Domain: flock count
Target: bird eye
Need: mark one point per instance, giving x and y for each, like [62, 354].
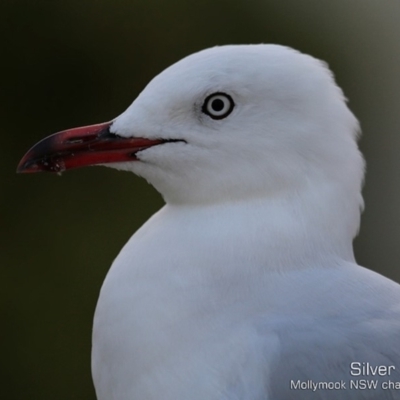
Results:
[218, 105]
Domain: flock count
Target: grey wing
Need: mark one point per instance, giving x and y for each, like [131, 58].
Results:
[316, 355]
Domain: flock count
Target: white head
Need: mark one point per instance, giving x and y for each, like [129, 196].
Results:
[289, 127]
[288, 133]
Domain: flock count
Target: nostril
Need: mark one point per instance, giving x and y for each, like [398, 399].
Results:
[74, 141]
[80, 139]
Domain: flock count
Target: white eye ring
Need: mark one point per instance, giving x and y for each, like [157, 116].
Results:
[218, 105]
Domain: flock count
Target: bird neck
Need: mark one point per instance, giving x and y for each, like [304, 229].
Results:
[289, 230]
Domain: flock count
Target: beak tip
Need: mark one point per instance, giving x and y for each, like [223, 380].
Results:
[25, 166]
[21, 168]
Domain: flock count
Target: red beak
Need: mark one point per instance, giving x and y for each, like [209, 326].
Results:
[88, 145]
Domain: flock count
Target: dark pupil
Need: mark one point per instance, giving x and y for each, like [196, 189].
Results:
[217, 105]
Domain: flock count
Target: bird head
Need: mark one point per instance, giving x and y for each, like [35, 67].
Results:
[225, 124]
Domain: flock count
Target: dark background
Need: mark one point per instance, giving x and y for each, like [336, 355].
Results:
[77, 62]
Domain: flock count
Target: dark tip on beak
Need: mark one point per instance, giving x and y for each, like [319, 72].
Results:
[58, 151]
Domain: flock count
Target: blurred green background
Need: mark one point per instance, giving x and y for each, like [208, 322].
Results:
[77, 62]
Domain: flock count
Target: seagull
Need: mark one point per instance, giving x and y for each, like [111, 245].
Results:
[244, 286]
